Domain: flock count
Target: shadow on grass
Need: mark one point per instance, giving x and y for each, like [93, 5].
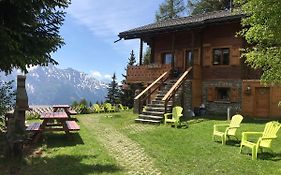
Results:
[62, 140]
[66, 164]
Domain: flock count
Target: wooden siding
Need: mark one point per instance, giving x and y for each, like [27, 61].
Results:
[146, 73]
[260, 101]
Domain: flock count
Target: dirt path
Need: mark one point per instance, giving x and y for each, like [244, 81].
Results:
[128, 153]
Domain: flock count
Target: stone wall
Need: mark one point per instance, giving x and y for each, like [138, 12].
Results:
[187, 97]
[221, 106]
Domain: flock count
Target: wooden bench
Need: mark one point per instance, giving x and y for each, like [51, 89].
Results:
[72, 112]
[72, 126]
[34, 127]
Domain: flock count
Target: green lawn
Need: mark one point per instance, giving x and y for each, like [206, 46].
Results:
[175, 151]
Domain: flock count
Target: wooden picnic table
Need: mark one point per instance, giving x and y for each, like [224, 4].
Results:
[53, 121]
[65, 108]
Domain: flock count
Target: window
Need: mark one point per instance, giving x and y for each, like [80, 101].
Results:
[167, 58]
[221, 56]
[189, 58]
[223, 94]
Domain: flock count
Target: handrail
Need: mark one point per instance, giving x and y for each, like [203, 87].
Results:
[148, 91]
[151, 85]
[175, 87]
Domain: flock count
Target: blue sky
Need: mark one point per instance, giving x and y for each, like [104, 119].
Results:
[90, 29]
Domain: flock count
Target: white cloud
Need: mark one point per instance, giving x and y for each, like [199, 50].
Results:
[106, 18]
[107, 77]
[100, 76]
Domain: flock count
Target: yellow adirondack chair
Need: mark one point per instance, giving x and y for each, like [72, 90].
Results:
[109, 107]
[97, 108]
[229, 128]
[122, 108]
[174, 117]
[264, 141]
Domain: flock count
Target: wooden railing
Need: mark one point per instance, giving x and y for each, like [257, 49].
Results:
[175, 87]
[140, 98]
[146, 73]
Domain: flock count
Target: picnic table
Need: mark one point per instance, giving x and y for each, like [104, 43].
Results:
[53, 121]
[65, 108]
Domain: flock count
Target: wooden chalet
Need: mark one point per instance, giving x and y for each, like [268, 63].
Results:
[196, 60]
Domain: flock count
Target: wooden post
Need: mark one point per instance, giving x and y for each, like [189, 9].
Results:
[173, 50]
[141, 51]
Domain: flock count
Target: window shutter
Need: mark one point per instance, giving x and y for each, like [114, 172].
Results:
[211, 94]
[234, 95]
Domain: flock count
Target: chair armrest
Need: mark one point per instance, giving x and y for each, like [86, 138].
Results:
[216, 126]
[246, 134]
[265, 138]
[167, 114]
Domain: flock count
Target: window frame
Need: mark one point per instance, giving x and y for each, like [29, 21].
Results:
[163, 58]
[221, 59]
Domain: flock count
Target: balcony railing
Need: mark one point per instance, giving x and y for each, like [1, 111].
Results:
[146, 73]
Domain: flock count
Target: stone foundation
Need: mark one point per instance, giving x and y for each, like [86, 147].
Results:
[221, 106]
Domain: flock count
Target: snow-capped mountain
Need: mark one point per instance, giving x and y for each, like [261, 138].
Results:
[51, 85]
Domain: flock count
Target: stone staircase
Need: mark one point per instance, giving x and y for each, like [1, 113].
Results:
[154, 112]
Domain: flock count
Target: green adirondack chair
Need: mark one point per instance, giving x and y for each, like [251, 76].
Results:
[173, 117]
[224, 131]
[109, 107]
[264, 141]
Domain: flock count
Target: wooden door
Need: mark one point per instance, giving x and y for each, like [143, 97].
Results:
[262, 105]
[191, 58]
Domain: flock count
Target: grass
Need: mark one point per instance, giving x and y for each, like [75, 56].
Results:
[192, 151]
[175, 151]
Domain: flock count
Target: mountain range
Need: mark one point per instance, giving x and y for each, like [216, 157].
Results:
[51, 85]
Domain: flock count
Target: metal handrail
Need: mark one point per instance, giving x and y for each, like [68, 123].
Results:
[175, 87]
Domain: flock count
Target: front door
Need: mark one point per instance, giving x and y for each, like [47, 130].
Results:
[191, 58]
[262, 102]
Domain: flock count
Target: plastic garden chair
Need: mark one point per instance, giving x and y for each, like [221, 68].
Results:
[122, 108]
[174, 117]
[97, 108]
[264, 141]
[109, 107]
[224, 131]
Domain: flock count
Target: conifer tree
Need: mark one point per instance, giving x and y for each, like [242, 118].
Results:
[113, 92]
[127, 94]
[29, 32]
[170, 9]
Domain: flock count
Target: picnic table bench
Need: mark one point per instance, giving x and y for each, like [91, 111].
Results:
[65, 108]
[53, 121]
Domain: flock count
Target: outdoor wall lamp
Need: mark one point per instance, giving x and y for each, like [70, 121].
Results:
[248, 90]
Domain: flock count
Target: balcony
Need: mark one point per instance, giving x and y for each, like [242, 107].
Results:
[146, 73]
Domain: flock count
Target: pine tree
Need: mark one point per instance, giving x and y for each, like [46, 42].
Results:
[195, 7]
[131, 62]
[170, 9]
[113, 92]
[127, 94]
[29, 32]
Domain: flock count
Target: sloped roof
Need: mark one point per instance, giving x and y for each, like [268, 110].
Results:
[182, 23]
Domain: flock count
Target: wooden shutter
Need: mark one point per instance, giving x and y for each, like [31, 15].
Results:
[235, 56]
[211, 94]
[234, 95]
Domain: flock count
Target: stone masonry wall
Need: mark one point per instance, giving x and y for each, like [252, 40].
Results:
[221, 106]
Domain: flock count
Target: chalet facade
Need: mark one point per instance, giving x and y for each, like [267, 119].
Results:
[201, 58]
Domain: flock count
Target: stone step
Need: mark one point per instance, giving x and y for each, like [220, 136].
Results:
[154, 113]
[158, 109]
[158, 105]
[152, 117]
[147, 121]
